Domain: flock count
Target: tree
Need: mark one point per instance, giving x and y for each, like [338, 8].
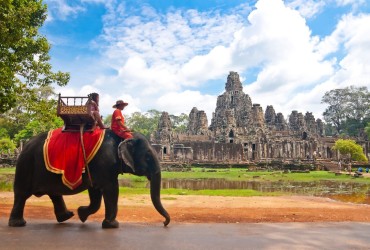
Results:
[348, 110]
[335, 114]
[27, 119]
[359, 103]
[145, 123]
[6, 145]
[35, 127]
[350, 149]
[354, 127]
[179, 123]
[367, 130]
[107, 120]
[3, 133]
[24, 58]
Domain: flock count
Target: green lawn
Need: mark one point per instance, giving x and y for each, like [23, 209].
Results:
[139, 184]
[7, 171]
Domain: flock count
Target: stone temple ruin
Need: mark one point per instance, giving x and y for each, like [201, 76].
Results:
[241, 132]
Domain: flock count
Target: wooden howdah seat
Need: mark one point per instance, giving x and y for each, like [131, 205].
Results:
[75, 111]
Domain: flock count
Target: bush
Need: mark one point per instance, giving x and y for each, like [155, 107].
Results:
[6, 145]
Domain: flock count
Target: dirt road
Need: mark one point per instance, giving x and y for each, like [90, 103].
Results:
[206, 209]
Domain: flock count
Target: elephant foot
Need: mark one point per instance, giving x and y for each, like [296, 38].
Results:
[83, 213]
[16, 222]
[110, 224]
[65, 216]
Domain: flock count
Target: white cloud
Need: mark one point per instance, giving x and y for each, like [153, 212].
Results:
[351, 39]
[307, 8]
[173, 38]
[62, 10]
[177, 103]
[161, 60]
[279, 41]
[350, 2]
[155, 54]
[354, 4]
[352, 36]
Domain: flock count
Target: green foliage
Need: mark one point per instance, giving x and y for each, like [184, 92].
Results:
[4, 133]
[107, 120]
[35, 127]
[351, 149]
[6, 145]
[335, 113]
[367, 130]
[348, 110]
[27, 119]
[179, 123]
[147, 123]
[6, 186]
[13, 121]
[23, 51]
[144, 123]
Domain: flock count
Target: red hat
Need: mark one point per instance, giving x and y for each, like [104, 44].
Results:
[120, 102]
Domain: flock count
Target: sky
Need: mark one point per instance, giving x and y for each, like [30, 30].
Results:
[175, 55]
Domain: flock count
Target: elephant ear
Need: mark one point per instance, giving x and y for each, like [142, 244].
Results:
[126, 151]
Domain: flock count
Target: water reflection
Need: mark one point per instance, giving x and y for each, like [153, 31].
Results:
[344, 191]
[316, 188]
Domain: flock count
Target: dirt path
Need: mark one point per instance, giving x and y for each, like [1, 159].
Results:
[206, 209]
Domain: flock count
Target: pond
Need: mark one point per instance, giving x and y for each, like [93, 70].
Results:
[343, 191]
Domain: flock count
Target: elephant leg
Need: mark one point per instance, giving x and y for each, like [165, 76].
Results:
[95, 202]
[16, 216]
[60, 209]
[110, 195]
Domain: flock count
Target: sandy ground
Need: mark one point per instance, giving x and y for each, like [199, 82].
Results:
[206, 209]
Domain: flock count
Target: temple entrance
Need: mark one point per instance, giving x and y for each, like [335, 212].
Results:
[328, 153]
[231, 136]
[304, 136]
[254, 153]
[245, 150]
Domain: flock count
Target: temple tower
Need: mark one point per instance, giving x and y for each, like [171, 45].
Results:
[233, 110]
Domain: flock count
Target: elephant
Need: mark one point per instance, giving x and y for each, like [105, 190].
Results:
[32, 178]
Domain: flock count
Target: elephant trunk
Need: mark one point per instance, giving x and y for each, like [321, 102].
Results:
[155, 194]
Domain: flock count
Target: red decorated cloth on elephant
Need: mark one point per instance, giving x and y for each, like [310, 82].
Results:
[63, 153]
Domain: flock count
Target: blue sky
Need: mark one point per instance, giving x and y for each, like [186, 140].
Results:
[176, 55]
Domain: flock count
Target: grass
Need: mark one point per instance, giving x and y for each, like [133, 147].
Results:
[7, 171]
[219, 192]
[139, 184]
[6, 186]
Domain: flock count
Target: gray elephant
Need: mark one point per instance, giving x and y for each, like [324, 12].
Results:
[32, 178]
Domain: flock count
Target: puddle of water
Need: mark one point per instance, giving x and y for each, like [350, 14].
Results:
[353, 198]
[348, 192]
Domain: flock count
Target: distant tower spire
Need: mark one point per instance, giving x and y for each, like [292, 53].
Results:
[233, 82]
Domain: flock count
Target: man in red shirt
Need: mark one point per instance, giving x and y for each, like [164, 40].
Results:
[118, 121]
